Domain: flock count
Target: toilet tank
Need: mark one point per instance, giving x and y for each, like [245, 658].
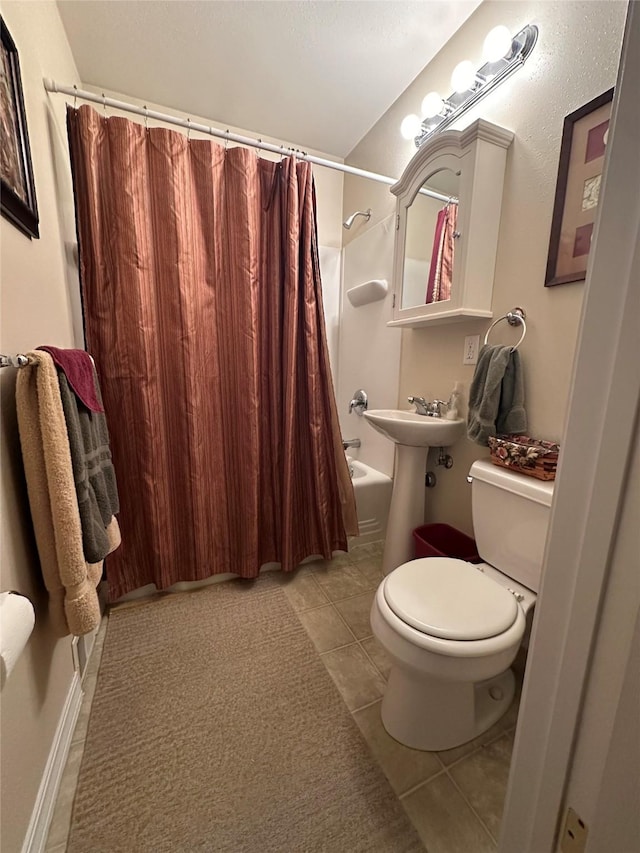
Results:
[510, 520]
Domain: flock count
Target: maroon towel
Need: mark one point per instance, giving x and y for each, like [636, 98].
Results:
[78, 368]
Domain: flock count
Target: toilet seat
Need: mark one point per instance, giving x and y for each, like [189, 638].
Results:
[449, 599]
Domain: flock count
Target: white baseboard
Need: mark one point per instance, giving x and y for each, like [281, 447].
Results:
[36, 837]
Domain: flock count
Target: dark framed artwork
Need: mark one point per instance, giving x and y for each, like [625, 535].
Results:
[584, 140]
[18, 194]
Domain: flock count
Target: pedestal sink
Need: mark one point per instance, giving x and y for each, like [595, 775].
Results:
[413, 435]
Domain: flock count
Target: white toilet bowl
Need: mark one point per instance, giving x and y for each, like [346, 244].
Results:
[451, 629]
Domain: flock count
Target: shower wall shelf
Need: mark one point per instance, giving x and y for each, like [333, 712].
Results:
[368, 291]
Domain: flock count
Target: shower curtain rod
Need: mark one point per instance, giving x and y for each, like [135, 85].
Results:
[74, 92]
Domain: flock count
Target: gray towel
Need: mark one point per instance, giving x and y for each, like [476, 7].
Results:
[93, 471]
[496, 396]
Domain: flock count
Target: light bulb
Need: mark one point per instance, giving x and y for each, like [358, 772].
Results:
[432, 105]
[497, 44]
[463, 77]
[411, 126]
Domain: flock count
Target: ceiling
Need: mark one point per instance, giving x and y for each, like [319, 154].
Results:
[316, 73]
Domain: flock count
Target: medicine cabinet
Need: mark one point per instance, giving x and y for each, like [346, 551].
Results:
[456, 169]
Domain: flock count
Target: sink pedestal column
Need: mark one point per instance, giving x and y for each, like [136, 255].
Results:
[407, 505]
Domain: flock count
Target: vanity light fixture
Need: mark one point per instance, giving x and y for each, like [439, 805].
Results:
[464, 77]
[503, 54]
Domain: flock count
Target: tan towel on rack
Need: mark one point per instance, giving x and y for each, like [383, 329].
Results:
[71, 583]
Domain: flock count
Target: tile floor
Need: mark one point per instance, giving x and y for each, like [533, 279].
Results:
[453, 798]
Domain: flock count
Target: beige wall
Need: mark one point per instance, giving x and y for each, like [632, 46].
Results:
[39, 304]
[575, 59]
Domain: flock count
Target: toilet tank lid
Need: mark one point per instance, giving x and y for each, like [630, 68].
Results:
[539, 491]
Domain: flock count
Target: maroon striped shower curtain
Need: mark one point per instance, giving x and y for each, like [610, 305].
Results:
[441, 267]
[203, 311]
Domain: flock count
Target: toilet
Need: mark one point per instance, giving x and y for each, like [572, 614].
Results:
[452, 629]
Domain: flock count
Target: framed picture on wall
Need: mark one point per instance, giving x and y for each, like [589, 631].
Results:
[584, 143]
[18, 194]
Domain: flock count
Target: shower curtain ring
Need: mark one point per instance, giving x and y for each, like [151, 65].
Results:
[75, 97]
[226, 139]
[146, 117]
[188, 129]
[104, 103]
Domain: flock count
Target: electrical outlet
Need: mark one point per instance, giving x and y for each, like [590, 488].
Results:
[471, 347]
[574, 835]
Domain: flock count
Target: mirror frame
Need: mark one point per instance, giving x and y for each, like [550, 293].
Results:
[479, 154]
[407, 207]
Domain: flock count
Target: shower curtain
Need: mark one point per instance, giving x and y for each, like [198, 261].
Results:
[203, 310]
[441, 267]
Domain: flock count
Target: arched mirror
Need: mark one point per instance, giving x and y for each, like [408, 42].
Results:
[448, 215]
[431, 233]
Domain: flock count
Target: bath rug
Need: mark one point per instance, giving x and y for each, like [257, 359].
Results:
[216, 727]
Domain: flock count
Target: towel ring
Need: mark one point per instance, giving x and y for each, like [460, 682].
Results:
[513, 318]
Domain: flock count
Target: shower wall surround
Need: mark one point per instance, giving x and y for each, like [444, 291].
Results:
[330, 272]
[369, 351]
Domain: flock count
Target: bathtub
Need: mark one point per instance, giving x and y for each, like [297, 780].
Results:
[372, 491]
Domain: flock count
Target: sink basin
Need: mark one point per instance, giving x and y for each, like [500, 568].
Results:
[415, 430]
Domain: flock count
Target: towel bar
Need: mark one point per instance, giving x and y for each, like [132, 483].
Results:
[14, 360]
[514, 318]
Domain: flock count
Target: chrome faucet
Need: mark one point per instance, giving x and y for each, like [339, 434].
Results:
[421, 405]
[434, 409]
[431, 410]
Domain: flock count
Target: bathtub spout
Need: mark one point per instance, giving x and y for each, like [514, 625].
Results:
[351, 442]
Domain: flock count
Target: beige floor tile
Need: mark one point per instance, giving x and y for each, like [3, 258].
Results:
[355, 612]
[378, 655]
[358, 681]
[340, 558]
[89, 687]
[371, 568]
[301, 590]
[510, 719]
[405, 768]
[363, 552]
[93, 664]
[482, 778]
[326, 628]
[342, 581]
[444, 821]
[59, 829]
[505, 723]
[319, 564]
[82, 723]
